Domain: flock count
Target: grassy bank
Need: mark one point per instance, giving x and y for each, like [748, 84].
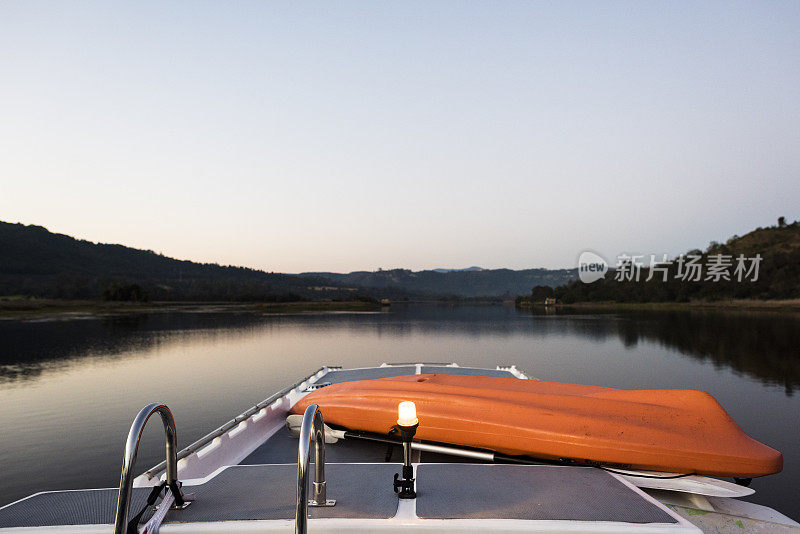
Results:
[791, 305]
[11, 307]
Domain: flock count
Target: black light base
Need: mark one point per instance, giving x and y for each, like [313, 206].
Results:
[404, 487]
[406, 432]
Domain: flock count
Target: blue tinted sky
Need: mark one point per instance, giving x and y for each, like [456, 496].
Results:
[343, 136]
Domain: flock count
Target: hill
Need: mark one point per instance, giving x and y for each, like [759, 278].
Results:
[472, 282]
[36, 262]
[778, 274]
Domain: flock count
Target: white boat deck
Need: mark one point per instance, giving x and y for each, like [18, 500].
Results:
[451, 497]
[244, 475]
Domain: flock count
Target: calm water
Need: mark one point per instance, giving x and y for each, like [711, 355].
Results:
[70, 388]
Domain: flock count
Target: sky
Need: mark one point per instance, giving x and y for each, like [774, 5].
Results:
[340, 136]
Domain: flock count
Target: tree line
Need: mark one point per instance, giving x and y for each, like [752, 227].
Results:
[778, 274]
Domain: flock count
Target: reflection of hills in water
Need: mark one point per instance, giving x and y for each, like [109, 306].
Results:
[31, 347]
[761, 345]
[764, 346]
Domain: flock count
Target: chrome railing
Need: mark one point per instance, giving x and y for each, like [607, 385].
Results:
[128, 461]
[208, 438]
[311, 428]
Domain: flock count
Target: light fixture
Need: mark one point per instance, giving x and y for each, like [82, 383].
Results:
[407, 414]
[407, 424]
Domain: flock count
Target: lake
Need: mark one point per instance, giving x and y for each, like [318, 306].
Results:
[70, 387]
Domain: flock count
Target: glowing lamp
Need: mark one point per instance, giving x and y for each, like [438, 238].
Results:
[407, 424]
[407, 414]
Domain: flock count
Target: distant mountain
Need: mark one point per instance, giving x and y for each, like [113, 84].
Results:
[472, 282]
[39, 263]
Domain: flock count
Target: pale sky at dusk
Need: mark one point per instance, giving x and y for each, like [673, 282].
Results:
[356, 135]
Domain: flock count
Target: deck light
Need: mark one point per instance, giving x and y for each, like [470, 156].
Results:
[407, 414]
[407, 424]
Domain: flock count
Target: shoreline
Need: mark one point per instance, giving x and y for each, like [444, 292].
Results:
[17, 308]
[783, 305]
[24, 308]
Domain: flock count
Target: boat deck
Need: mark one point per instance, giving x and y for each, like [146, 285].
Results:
[364, 491]
[244, 476]
[335, 376]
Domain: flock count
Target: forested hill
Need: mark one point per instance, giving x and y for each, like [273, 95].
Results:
[778, 273]
[36, 262]
[471, 282]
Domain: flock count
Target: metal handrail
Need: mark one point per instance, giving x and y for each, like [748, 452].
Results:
[311, 428]
[208, 438]
[129, 459]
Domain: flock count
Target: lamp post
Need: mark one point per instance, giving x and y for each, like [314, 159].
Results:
[407, 424]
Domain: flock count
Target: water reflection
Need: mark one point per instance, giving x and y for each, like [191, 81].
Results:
[764, 346]
[32, 347]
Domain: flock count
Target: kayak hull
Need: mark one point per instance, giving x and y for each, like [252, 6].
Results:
[684, 431]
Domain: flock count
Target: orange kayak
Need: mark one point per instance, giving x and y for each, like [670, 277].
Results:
[683, 431]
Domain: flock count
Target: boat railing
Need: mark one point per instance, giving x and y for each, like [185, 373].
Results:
[208, 438]
[312, 428]
[129, 460]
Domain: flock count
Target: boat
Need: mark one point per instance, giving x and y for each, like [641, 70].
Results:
[295, 462]
[659, 430]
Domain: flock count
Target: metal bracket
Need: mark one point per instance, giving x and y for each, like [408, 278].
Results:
[320, 492]
[187, 500]
[404, 487]
[328, 502]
